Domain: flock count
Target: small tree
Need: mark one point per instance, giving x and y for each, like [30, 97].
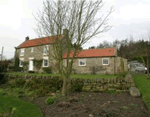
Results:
[37, 64]
[82, 21]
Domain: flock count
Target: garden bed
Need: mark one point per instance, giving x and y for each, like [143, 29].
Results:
[97, 104]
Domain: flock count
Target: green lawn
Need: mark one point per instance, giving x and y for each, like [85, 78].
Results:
[143, 85]
[21, 108]
[72, 75]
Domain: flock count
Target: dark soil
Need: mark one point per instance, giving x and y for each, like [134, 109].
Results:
[96, 104]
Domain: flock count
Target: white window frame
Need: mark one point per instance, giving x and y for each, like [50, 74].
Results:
[45, 58]
[46, 48]
[21, 59]
[103, 59]
[82, 60]
[22, 51]
[32, 49]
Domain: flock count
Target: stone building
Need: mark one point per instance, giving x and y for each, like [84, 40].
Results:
[99, 61]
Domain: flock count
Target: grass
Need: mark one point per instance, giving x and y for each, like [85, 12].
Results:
[72, 75]
[21, 108]
[143, 84]
[17, 92]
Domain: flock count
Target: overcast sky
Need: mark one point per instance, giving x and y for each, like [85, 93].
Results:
[17, 22]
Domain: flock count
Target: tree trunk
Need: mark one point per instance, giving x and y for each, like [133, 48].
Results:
[64, 87]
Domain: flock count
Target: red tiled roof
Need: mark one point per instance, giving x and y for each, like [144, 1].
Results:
[93, 53]
[36, 42]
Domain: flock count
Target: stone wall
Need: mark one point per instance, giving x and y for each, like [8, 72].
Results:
[118, 84]
[111, 84]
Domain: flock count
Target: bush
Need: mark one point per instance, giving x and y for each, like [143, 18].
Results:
[20, 82]
[3, 78]
[15, 68]
[76, 85]
[50, 100]
[12, 83]
[3, 66]
[122, 74]
[47, 70]
[37, 64]
[41, 92]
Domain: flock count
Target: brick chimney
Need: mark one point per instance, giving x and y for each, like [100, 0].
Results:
[26, 38]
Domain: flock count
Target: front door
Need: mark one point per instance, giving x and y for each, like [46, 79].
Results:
[31, 65]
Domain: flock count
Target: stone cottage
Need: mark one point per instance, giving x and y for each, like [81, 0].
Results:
[100, 61]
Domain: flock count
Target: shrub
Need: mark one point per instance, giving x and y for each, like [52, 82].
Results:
[50, 100]
[12, 83]
[76, 85]
[4, 66]
[37, 64]
[15, 68]
[47, 70]
[41, 92]
[3, 78]
[122, 74]
[25, 65]
[20, 82]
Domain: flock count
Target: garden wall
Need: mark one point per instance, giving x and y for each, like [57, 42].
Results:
[54, 83]
[111, 84]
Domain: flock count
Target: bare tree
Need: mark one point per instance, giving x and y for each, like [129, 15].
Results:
[82, 22]
[105, 44]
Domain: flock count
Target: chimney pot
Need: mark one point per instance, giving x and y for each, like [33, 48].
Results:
[27, 38]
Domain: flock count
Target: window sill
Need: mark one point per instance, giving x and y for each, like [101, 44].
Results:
[105, 64]
[45, 66]
[21, 55]
[82, 65]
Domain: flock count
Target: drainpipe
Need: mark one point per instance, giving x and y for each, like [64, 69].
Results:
[114, 65]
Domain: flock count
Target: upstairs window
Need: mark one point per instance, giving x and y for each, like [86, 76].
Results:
[105, 61]
[21, 52]
[46, 49]
[82, 62]
[32, 49]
